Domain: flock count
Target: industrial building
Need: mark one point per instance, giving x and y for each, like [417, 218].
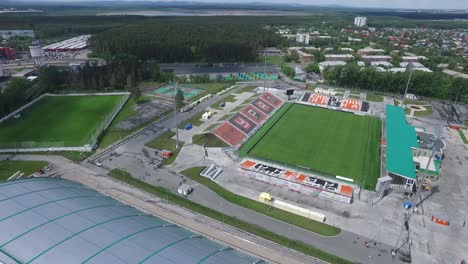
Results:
[360, 21]
[73, 44]
[51, 220]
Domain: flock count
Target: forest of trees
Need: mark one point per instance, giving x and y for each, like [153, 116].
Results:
[185, 42]
[435, 84]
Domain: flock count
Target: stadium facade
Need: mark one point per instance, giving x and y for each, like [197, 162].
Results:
[48, 220]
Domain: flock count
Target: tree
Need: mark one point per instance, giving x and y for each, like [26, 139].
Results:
[179, 98]
[288, 71]
[313, 67]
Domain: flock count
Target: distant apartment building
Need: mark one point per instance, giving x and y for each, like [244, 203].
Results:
[412, 58]
[329, 64]
[369, 50]
[376, 58]
[270, 51]
[303, 38]
[304, 57]
[360, 21]
[338, 57]
[6, 34]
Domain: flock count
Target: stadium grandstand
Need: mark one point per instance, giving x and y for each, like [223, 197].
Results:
[52, 220]
[73, 44]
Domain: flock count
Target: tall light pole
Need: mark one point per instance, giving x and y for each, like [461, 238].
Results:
[175, 115]
[264, 69]
[410, 67]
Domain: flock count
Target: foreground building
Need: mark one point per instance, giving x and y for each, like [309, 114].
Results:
[49, 220]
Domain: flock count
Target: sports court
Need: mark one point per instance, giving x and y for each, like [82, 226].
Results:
[331, 142]
[188, 90]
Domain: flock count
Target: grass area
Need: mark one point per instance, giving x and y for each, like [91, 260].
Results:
[354, 96]
[277, 60]
[237, 108]
[10, 167]
[338, 94]
[414, 102]
[228, 220]
[72, 120]
[194, 120]
[230, 98]
[465, 123]
[210, 88]
[210, 128]
[462, 135]
[297, 220]
[326, 141]
[246, 89]
[225, 117]
[209, 140]
[396, 102]
[165, 142]
[428, 111]
[374, 98]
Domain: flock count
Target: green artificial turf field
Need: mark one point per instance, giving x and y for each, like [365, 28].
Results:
[327, 141]
[69, 119]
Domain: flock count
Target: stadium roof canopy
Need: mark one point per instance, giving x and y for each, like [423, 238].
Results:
[49, 220]
[401, 137]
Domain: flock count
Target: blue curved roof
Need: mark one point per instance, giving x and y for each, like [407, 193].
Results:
[48, 220]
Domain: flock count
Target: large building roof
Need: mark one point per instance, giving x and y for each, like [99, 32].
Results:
[401, 137]
[49, 220]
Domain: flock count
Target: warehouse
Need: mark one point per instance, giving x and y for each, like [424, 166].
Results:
[50, 220]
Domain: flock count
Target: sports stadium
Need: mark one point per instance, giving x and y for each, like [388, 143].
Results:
[319, 144]
[51, 220]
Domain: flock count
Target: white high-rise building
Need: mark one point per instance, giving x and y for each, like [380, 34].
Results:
[303, 38]
[360, 21]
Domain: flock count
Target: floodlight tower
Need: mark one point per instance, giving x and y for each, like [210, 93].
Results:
[410, 67]
[37, 54]
[175, 115]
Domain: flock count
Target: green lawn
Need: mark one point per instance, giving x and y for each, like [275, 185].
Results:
[230, 98]
[374, 98]
[228, 220]
[69, 119]
[354, 96]
[211, 127]
[297, 220]
[327, 141]
[165, 142]
[225, 117]
[277, 60]
[424, 113]
[414, 102]
[10, 167]
[210, 141]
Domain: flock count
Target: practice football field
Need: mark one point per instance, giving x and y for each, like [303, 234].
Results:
[69, 119]
[327, 141]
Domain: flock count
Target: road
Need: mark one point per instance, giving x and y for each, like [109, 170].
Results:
[127, 155]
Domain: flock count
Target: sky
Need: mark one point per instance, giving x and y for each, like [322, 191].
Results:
[410, 4]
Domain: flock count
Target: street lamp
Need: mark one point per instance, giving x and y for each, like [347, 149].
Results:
[175, 115]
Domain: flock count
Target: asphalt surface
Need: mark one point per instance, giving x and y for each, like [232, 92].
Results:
[127, 155]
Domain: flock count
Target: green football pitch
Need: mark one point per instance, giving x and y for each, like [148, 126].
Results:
[322, 140]
[72, 120]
